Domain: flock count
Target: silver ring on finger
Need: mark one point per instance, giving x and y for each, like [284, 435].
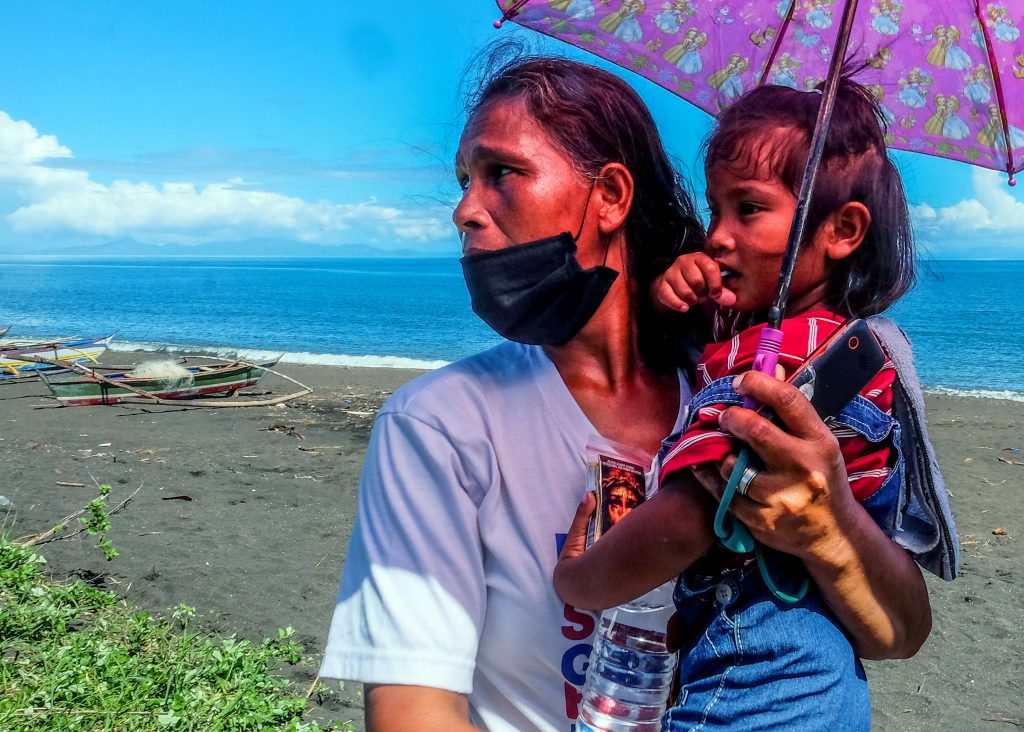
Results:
[745, 480]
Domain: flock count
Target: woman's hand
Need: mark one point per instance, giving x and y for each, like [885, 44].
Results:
[691, 279]
[801, 503]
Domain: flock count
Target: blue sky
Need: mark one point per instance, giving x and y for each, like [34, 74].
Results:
[328, 122]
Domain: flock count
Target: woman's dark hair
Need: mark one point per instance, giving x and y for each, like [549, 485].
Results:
[597, 118]
[854, 167]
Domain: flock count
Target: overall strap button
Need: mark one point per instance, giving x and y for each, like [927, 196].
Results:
[726, 592]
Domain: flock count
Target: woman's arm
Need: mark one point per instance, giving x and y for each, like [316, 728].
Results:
[413, 597]
[801, 504]
[392, 708]
[652, 544]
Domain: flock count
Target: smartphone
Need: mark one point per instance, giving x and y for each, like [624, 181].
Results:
[843, 365]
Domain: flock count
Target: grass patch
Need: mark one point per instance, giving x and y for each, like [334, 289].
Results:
[73, 657]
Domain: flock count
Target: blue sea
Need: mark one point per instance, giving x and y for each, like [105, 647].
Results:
[963, 317]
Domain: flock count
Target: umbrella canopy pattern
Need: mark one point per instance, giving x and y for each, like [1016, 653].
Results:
[948, 74]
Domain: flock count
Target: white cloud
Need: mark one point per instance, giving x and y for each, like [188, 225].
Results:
[20, 144]
[66, 199]
[23, 154]
[993, 210]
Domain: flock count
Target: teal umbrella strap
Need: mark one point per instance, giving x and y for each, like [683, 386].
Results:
[786, 595]
[737, 537]
[734, 535]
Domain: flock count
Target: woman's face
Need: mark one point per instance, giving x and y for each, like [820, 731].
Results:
[517, 185]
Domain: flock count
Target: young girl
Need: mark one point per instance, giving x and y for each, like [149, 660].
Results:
[749, 660]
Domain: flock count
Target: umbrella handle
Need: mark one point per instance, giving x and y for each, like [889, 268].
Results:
[733, 534]
[766, 358]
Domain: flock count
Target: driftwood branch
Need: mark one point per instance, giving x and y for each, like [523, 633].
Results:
[312, 687]
[216, 404]
[49, 535]
[1009, 720]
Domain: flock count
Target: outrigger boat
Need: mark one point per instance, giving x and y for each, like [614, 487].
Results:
[28, 358]
[127, 388]
[3, 330]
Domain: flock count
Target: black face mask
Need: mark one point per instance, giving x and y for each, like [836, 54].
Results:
[537, 292]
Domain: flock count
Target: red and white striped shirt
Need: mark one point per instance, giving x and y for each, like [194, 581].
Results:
[867, 464]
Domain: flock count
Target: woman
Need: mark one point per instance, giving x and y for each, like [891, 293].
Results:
[446, 609]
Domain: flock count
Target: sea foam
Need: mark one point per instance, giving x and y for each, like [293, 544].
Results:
[1011, 396]
[300, 357]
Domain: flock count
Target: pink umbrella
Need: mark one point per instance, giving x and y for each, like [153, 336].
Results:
[949, 75]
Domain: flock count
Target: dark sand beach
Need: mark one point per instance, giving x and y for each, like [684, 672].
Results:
[245, 514]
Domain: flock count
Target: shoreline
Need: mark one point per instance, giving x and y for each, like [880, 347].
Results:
[137, 351]
[245, 514]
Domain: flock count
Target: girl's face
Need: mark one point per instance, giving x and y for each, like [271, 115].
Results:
[751, 215]
[517, 185]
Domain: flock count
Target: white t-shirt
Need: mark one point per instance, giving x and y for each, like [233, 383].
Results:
[472, 477]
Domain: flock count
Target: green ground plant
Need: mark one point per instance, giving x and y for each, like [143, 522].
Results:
[97, 522]
[74, 657]
[94, 519]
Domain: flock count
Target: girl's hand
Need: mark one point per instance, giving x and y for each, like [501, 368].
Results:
[576, 538]
[691, 279]
[649, 546]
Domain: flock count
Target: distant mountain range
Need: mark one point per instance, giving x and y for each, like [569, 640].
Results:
[248, 248]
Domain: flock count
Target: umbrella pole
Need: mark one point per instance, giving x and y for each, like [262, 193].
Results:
[796, 232]
[767, 356]
[732, 533]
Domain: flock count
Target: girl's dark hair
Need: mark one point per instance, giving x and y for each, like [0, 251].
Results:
[854, 167]
[597, 118]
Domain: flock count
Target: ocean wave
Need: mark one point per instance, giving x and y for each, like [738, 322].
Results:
[1012, 396]
[387, 362]
[299, 357]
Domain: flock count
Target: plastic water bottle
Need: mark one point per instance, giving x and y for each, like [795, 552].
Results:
[630, 674]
